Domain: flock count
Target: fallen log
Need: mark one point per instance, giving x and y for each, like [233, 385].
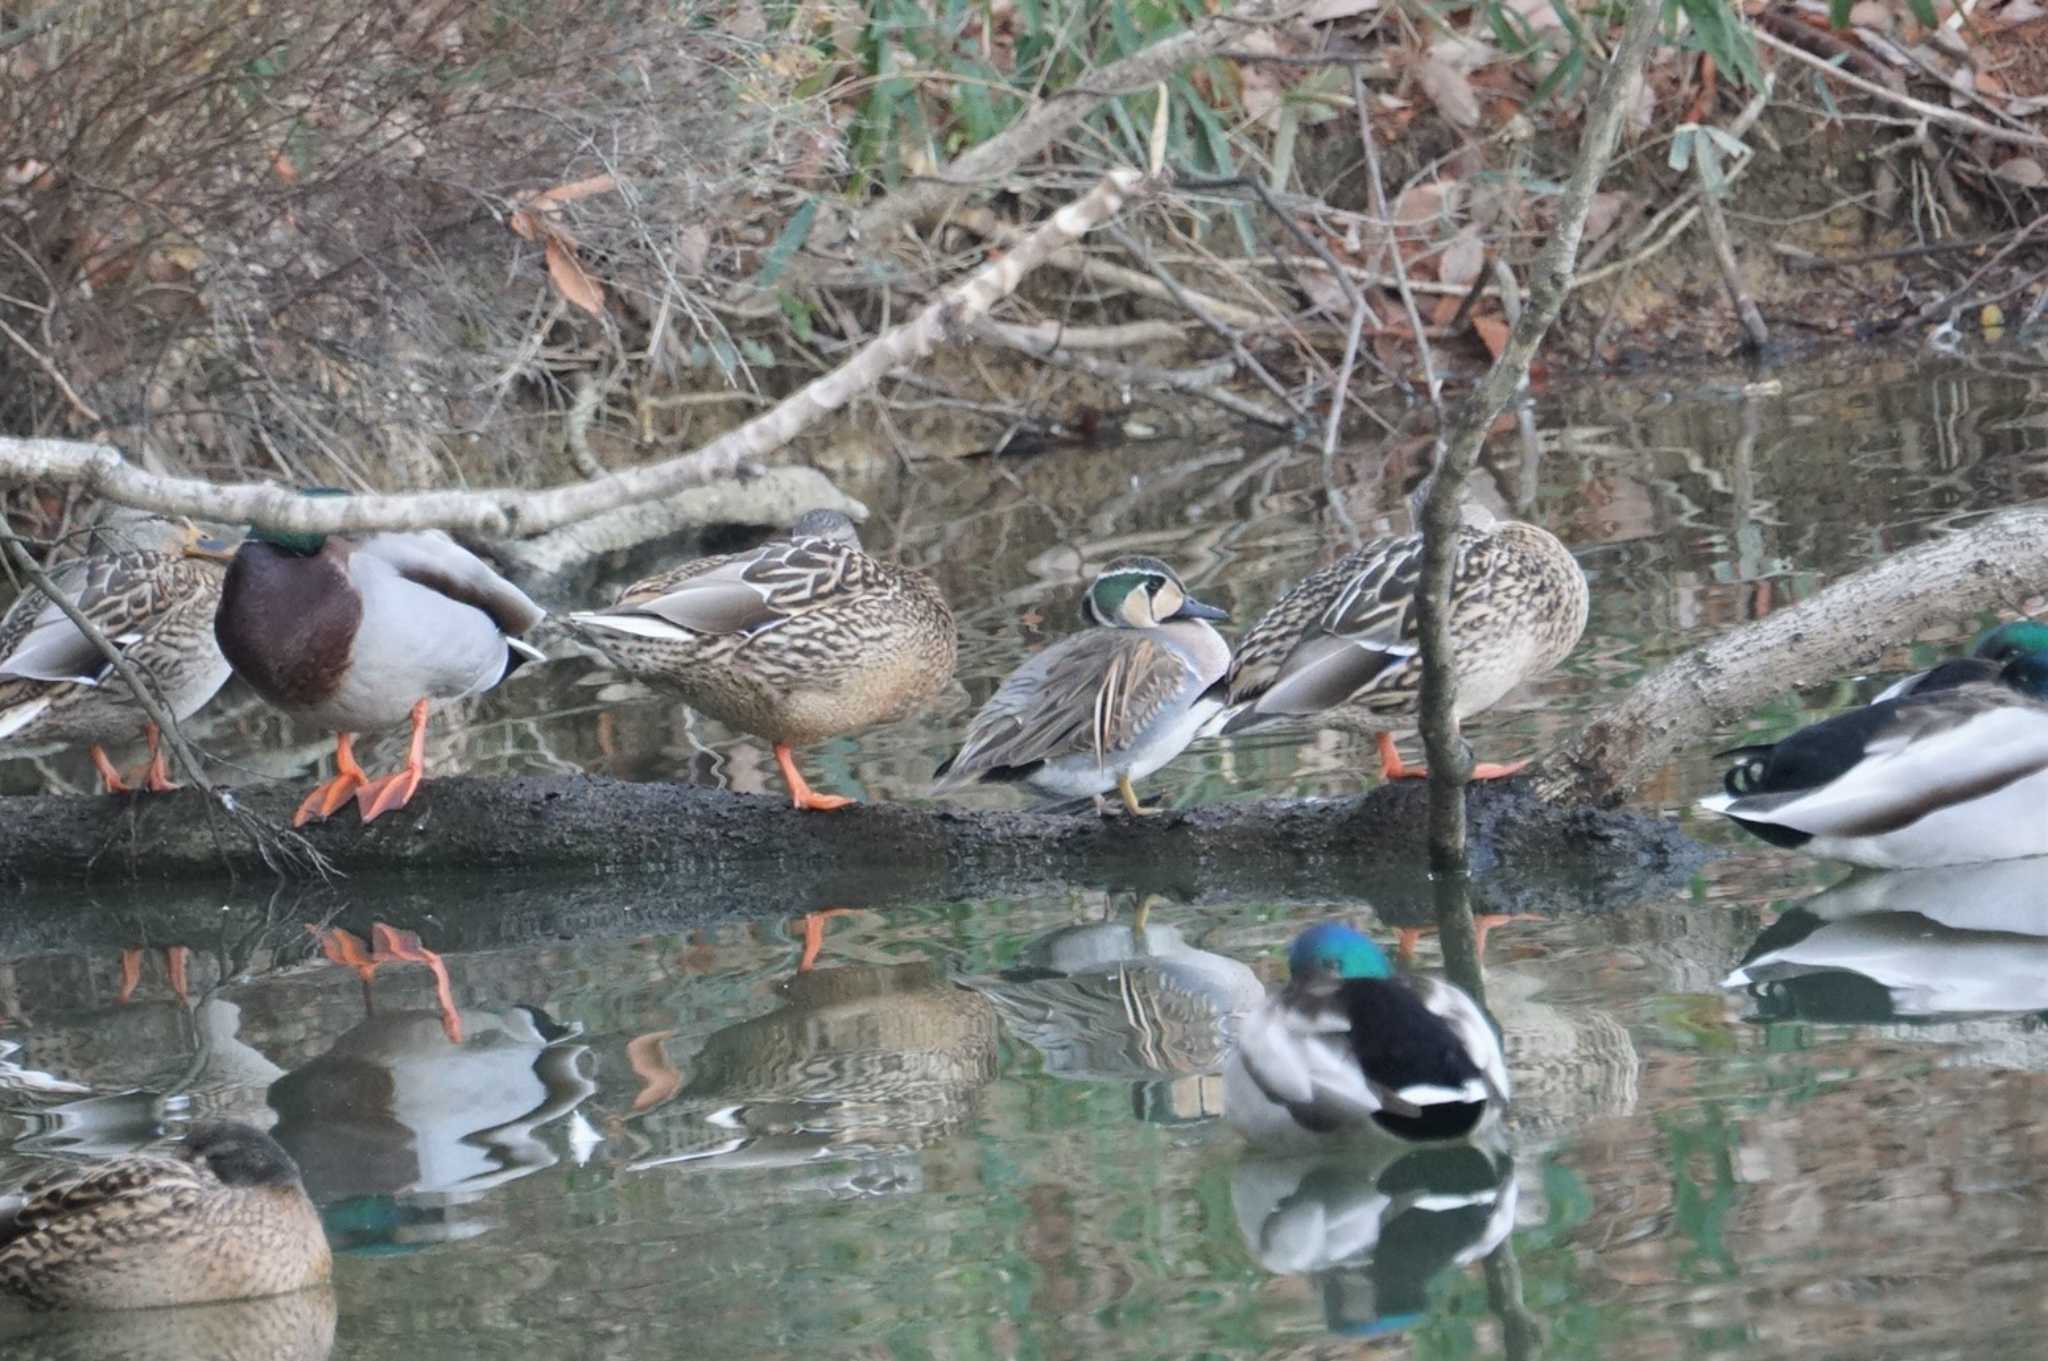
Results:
[574, 853]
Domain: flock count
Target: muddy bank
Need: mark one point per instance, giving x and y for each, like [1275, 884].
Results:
[495, 861]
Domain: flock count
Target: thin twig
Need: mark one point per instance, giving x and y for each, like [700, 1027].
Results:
[1377, 187]
[1954, 118]
[1724, 256]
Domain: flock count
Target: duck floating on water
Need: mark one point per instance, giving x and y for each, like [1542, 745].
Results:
[156, 607]
[223, 1217]
[1350, 1048]
[1108, 706]
[800, 640]
[1344, 645]
[1945, 774]
[355, 634]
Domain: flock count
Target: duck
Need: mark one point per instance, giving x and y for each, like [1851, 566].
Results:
[800, 640]
[156, 606]
[223, 1216]
[1343, 645]
[1986, 660]
[1108, 706]
[1348, 1049]
[1954, 775]
[357, 633]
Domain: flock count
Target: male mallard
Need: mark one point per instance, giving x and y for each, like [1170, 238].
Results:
[223, 1217]
[1947, 776]
[1344, 642]
[1109, 705]
[157, 607]
[799, 640]
[1350, 1048]
[351, 634]
[1987, 660]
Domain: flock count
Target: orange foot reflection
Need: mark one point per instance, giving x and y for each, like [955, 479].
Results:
[1406, 939]
[390, 945]
[813, 928]
[176, 958]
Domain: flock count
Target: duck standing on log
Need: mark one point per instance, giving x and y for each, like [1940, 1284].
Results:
[355, 634]
[1344, 645]
[1109, 705]
[1952, 772]
[800, 640]
[156, 607]
[1349, 1048]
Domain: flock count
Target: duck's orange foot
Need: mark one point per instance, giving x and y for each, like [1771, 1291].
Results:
[110, 778]
[348, 778]
[395, 790]
[157, 777]
[1492, 770]
[801, 795]
[1396, 769]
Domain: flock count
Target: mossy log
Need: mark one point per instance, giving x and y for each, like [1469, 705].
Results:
[566, 853]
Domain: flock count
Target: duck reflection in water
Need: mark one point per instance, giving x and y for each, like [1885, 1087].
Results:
[860, 1062]
[1376, 1226]
[1909, 945]
[295, 1327]
[1115, 1002]
[394, 1108]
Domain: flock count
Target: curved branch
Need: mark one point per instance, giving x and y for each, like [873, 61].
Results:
[102, 470]
[1847, 625]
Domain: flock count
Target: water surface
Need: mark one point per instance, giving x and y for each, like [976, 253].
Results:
[1771, 1114]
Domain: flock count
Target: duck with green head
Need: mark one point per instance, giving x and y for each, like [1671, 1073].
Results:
[803, 639]
[1350, 1048]
[155, 605]
[1952, 770]
[1343, 646]
[1109, 705]
[223, 1216]
[357, 633]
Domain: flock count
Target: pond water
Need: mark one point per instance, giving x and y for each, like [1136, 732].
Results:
[1769, 1114]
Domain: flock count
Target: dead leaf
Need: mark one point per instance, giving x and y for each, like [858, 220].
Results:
[1464, 55]
[283, 168]
[576, 189]
[1871, 14]
[1462, 259]
[1493, 333]
[1448, 89]
[1326, 292]
[570, 279]
[2024, 171]
[525, 225]
[1427, 202]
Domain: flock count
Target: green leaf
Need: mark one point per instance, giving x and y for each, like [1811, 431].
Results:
[1563, 78]
[798, 312]
[1681, 148]
[757, 353]
[1838, 13]
[1923, 10]
[793, 235]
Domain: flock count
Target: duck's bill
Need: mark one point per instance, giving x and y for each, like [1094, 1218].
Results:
[1192, 608]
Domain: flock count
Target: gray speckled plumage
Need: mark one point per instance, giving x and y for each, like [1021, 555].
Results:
[224, 1217]
[1342, 645]
[156, 606]
[1118, 700]
[802, 639]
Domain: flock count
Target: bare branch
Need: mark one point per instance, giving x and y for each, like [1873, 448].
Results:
[1449, 763]
[514, 514]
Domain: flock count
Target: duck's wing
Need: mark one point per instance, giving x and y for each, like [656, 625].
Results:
[1886, 766]
[1091, 694]
[1475, 1034]
[135, 1199]
[432, 559]
[122, 593]
[1297, 1051]
[742, 593]
[1947, 676]
[1366, 641]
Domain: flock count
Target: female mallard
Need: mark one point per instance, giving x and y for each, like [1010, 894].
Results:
[156, 606]
[1343, 644]
[1948, 776]
[1107, 706]
[352, 634]
[800, 640]
[1986, 662]
[1349, 1048]
[223, 1217]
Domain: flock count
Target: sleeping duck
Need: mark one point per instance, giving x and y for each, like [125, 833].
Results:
[1948, 774]
[1351, 1048]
